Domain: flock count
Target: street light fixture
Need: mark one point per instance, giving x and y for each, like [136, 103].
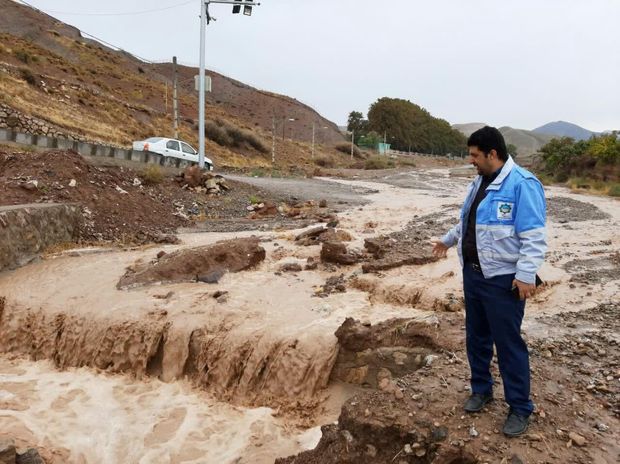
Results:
[205, 19]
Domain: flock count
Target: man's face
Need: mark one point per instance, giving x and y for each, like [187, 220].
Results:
[483, 163]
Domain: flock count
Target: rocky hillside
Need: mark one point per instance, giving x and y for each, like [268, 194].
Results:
[63, 83]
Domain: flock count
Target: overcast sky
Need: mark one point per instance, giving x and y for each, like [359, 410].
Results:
[520, 63]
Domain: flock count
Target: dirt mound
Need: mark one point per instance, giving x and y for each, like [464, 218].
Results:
[419, 418]
[409, 246]
[204, 264]
[118, 204]
[115, 202]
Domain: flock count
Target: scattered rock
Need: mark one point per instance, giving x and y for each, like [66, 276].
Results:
[167, 296]
[73, 183]
[371, 451]
[29, 457]
[7, 451]
[577, 439]
[337, 253]
[212, 277]
[311, 264]
[291, 267]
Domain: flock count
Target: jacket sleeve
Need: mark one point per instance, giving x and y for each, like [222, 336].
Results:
[452, 236]
[531, 215]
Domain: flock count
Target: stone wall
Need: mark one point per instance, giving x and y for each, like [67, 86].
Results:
[19, 122]
[27, 230]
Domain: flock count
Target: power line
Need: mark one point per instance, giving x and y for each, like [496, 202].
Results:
[84, 33]
[133, 13]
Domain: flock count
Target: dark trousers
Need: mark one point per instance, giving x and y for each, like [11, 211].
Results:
[494, 315]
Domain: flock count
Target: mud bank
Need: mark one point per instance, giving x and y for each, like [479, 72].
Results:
[27, 230]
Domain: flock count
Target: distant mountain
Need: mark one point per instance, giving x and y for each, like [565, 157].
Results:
[469, 128]
[527, 142]
[565, 129]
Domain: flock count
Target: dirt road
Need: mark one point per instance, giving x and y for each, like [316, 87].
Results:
[272, 369]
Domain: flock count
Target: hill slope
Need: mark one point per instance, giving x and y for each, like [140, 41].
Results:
[565, 129]
[78, 87]
[527, 142]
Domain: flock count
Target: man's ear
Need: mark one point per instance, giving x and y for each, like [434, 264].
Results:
[493, 154]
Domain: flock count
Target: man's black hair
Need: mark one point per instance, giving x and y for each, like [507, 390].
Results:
[489, 138]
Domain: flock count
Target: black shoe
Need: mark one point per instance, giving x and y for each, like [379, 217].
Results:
[515, 424]
[477, 401]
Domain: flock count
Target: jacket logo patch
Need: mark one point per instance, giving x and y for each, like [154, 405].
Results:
[504, 210]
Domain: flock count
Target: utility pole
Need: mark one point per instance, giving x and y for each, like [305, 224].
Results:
[273, 140]
[175, 100]
[205, 19]
[352, 142]
[166, 98]
[313, 125]
[385, 143]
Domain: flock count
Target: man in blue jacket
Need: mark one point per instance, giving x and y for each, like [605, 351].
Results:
[501, 244]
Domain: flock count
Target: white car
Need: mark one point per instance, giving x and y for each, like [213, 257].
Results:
[171, 148]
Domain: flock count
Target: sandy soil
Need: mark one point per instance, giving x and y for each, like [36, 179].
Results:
[270, 342]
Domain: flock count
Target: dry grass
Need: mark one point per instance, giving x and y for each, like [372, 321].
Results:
[227, 134]
[153, 175]
[379, 162]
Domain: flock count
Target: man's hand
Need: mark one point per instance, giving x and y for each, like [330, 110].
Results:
[525, 290]
[440, 250]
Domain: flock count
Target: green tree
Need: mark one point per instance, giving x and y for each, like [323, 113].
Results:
[605, 148]
[408, 126]
[357, 124]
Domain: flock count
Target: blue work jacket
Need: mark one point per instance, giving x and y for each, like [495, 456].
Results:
[510, 224]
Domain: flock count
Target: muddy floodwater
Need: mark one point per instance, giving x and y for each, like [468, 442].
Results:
[168, 373]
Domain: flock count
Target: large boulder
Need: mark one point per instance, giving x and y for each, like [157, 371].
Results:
[337, 253]
[204, 264]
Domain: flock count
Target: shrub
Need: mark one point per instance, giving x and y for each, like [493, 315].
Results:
[324, 162]
[614, 190]
[25, 57]
[227, 135]
[256, 143]
[378, 162]
[218, 134]
[28, 76]
[153, 175]
[346, 148]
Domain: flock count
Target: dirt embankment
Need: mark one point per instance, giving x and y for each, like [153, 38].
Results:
[120, 204]
[418, 418]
